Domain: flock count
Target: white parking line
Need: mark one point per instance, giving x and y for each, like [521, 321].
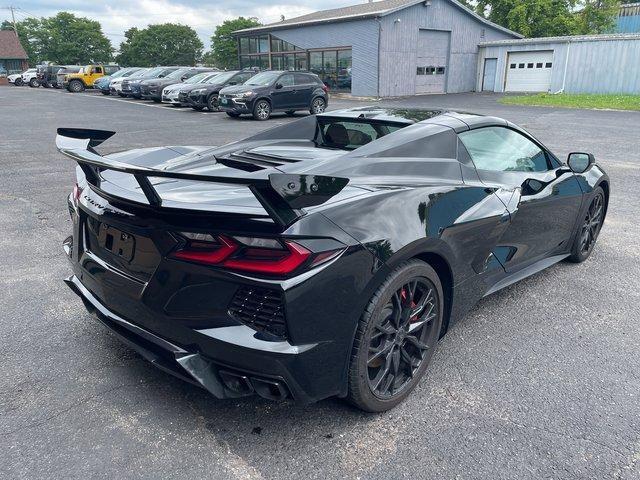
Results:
[112, 99]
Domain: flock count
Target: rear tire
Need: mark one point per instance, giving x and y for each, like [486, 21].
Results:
[396, 337]
[589, 229]
[262, 110]
[318, 105]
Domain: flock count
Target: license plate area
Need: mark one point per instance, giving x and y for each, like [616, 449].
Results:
[119, 243]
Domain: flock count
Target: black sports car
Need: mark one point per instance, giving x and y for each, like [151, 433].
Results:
[324, 257]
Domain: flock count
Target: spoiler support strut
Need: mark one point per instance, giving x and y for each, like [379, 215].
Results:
[282, 195]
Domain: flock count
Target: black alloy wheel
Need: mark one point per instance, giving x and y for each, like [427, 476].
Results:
[212, 103]
[33, 83]
[396, 337]
[589, 229]
[262, 110]
[18, 82]
[318, 105]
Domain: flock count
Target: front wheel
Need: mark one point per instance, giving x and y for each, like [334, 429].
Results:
[318, 105]
[76, 86]
[589, 228]
[396, 337]
[18, 82]
[33, 83]
[212, 104]
[262, 110]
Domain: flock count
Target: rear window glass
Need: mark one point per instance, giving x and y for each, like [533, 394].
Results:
[352, 133]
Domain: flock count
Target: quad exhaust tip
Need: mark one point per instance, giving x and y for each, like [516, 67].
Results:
[244, 385]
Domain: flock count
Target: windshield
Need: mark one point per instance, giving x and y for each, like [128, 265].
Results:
[140, 73]
[154, 72]
[178, 73]
[131, 73]
[349, 134]
[119, 73]
[221, 78]
[262, 79]
[198, 77]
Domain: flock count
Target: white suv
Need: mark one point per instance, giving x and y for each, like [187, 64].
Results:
[30, 77]
[18, 78]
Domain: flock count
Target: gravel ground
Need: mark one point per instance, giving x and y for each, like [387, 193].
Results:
[541, 380]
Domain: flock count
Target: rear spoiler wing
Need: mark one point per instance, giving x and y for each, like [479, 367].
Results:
[282, 195]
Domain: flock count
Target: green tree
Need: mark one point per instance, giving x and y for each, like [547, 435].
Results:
[64, 39]
[531, 18]
[6, 25]
[163, 44]
[224, 47]
[548, 18]
[596, 16]
[76, 40]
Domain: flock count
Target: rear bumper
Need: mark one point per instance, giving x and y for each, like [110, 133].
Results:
[210, 369]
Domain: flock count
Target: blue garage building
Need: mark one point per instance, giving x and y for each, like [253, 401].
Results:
[386, 48]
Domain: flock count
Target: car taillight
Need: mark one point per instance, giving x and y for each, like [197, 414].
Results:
[325, 88]
[264, 256]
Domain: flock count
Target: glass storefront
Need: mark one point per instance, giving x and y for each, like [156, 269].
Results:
[333, 66]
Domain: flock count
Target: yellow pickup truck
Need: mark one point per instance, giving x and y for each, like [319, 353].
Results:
[77, 82]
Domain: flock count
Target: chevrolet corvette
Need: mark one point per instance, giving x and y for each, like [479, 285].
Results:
[324, 257]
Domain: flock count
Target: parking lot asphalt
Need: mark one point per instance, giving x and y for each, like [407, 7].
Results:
[541, 380]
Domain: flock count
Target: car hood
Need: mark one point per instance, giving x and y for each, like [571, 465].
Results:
[233, 89]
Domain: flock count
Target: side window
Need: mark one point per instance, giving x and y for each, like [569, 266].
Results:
[302, 79]
[501, 149]
[97, 70]
[286, 80]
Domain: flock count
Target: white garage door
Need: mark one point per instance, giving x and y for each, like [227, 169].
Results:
[529, 71]
[433, 56]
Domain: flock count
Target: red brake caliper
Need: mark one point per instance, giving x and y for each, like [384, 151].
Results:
[403, 295]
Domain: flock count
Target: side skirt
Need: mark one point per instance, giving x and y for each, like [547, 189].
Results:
[526, 272]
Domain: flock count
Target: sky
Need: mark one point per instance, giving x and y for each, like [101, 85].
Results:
[116, 16]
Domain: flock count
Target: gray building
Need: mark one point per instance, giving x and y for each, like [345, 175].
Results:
[386, 48]
[578, 64]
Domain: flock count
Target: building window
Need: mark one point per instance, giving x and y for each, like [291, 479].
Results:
[513, 65]
[333, 66]
[521, 65]
[539, 65]
[529, 65]
[421, 71]
[440, 71]
[548, 65]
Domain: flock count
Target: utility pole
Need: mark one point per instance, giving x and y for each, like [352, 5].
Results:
[13, 18]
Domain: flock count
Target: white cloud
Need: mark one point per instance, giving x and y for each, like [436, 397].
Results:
[119, 15]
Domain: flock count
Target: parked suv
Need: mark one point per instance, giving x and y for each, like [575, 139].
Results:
[152, 89]
[206, 95]
[18, 78]
[63, 72]
[131, 87]
[46, 75]
[30, 77]
[103, 83]
[275, 91]
[171, 93]
[77, 82]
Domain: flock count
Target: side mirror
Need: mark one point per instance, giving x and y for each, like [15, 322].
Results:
[278, 86]
[580, 162]
[183, 78]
